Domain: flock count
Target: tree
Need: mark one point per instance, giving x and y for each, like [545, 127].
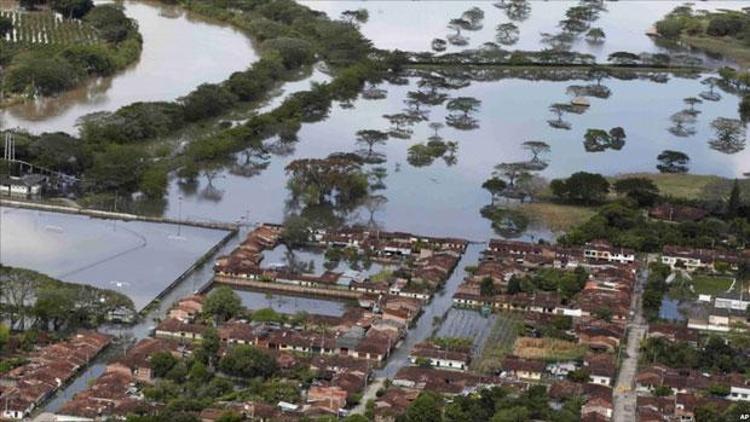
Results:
[436, 126]
[680, 119]
[581, 187]
[673, 162]
[729, 135]
[595, 35]
[223, 303]
[355, 16]
[487, 287]
[734, 203]
[161, 363]
[294, 52]
[111, 22]
[464, 105]
[710, 95]
[336, 180]
[507, 33]
[208, 100]
[4, 336]
[744, 109]
[692, 102]
[31, 4]
[370, 138]
[640, 189]
[53, 306]
[598, 140]
[247, 362]
[536, 148]
[72, 9]
[495, 186]
[426, 408]
[512, 171]
[6, 25]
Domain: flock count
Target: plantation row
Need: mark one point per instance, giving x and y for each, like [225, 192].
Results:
[47, 28]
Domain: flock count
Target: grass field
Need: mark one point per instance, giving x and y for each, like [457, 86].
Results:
[550, 349]
[44, 28]
[556, 217]
[498, 344]
[729, 48]
[711, 285]
[691, 186]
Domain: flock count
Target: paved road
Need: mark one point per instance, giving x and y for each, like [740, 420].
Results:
[625, 396]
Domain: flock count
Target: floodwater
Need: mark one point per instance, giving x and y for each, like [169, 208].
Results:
[412, 25]
[180, 52]
[291, 305]
[446, 200]
[136, 258]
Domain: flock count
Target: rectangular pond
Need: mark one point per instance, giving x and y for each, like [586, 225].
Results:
[139, 259]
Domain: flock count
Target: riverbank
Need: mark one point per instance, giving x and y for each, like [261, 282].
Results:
[47, 54]
[726, 47]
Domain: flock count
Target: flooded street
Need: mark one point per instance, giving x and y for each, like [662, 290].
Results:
[168, 69]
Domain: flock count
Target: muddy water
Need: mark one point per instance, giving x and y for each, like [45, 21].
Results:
[180, 52]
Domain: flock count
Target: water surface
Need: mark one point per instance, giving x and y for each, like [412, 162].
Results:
[180, 52]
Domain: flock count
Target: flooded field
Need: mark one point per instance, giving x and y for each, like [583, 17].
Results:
[291, 305]
[467, 323]
[511, 112]
[138, 259]
[405, 25]
[168, 69]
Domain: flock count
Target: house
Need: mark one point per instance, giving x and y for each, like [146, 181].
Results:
[331, 398]
[736, 301]
[437, 380]
[601, 367]
[601, 250]
[441, 358]
[523, 369]
[187, 309]
[176, 329]
[29, 185]
[691, 259]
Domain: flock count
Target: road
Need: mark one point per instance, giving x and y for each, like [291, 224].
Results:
[624, 394]
[369, 394]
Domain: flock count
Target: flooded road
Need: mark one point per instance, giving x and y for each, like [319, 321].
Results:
[180, 52]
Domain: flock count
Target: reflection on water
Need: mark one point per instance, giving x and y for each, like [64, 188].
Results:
[136, 258]
[180, 51]
[445, 200]
[412, 25]
[291, 304]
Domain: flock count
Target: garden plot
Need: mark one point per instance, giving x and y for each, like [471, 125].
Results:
[499, 342]
[47, 28]
[470, 324]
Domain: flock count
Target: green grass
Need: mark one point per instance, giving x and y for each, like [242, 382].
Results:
[727, 47]
[556, 217]
[711, 285]
[499, 343]
[687, 186]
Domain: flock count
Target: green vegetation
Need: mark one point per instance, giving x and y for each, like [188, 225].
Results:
[46, 57]
[126, 151]
[566, 283]
[495, 404]
[499, 343]
[715, 354]
[711, 285]
[726, 32]
[31, 299]
[656, 288]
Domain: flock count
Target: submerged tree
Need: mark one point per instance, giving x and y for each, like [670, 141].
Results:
[436, 126]
[679, 121]
[559, 109]
[460, 108]
[369, 138]
[457, 24]
[692, 102]
[595, 35]
[673, 162]
[536, 148]
[507, 33]
[398, 122]
[729, 135]
[711, 83]
[598, 140]
[336, 180]
[518, 10]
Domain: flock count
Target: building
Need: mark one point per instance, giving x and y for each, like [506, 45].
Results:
[601, 250]
[439, 357]
[29, 185]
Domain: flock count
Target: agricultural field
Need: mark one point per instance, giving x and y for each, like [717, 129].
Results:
[549, 349]
[499, 343]
[47, 28]
[468, 324]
